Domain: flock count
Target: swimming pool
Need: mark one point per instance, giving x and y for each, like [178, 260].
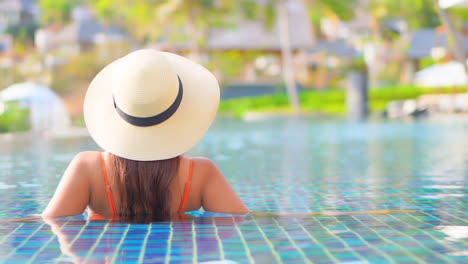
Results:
[398, 190]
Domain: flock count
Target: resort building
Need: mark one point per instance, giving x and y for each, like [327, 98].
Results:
[14, 12]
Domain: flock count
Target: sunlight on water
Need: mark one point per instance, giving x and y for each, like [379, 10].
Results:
[345, 192]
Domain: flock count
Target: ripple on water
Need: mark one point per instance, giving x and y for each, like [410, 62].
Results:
[4, 186]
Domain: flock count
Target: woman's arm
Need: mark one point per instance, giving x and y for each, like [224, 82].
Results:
[218, 195]
[72, 194]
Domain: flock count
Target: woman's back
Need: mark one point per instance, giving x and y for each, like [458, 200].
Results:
[85, 180]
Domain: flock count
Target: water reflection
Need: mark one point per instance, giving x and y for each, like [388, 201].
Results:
[156, 242]
[375, 236]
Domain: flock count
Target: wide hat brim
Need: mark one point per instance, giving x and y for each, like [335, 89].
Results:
[171, 138]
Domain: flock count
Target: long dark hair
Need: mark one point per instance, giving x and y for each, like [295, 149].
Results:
[144, 186]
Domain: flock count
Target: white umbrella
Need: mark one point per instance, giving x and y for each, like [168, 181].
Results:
[439, 75]
[453, 3]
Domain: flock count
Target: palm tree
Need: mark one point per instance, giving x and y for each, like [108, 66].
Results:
[317, 9]
[457, 40]
[146, 20]
[286, 54]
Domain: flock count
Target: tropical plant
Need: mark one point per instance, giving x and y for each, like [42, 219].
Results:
[56, 11]
[150, 20]
[418, 13]
[13, 117]
[319, 9]
[456, 40]
[358, 64]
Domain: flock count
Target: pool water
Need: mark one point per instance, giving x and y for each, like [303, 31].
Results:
[330, 191]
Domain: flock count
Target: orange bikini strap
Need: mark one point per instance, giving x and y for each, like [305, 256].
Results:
[108, 187]
[188, 184]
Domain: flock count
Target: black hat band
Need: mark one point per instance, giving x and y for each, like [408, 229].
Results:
[152, 120]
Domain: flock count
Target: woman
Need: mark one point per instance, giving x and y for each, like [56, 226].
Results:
[146, 110]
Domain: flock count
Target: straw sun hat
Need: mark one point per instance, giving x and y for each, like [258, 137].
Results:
[150, 105]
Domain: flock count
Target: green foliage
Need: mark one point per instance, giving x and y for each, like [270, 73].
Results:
[323, 101]
[418, 13]
[328, 101]
[267, 103]
[23, 36]
[358, 64]
[55, 11]
[318, 9]
[105, 10]
[14, 117]
[249, 9]
[459, 14]
[147, 20]
[427, 62]
[265, 12]
[342, 9]
[23, 32]
[136, 16]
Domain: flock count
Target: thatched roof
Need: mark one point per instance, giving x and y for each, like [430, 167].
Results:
[335, 48]
[423, 40]
[28, 6]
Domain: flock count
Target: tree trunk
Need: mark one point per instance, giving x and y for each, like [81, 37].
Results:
[194, 34]
[286, 54]
[376, 28]
[453, 37]
[322, 72]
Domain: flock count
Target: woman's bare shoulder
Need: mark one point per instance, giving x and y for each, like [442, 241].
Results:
[86, 165]
[204, 164]
[203, 161]
[203, 168]
[86, 161]
[87, 157]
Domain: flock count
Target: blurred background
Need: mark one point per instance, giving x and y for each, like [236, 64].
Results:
[293, 73]
[390, 58]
